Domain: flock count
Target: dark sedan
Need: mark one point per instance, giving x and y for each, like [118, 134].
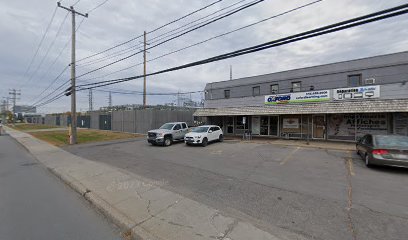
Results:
[390, 150]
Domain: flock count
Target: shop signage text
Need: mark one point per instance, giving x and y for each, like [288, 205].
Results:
[299, 97]
[363, 92]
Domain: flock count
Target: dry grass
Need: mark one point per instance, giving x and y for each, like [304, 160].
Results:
[28, 126]
[61, 138]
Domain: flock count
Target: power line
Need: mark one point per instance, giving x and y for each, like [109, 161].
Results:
[53, 63]
[48, 50]
[41, 42]
[98, 6]
[177, 36]
[209, 39]
[132, 48]
[377, 16]
[156, 29]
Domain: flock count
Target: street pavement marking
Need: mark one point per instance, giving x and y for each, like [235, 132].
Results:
[289, 155]
[350, 164]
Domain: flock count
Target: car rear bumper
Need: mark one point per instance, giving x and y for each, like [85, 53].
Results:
[390, 162]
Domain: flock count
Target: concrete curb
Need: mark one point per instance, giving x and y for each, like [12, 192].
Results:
[140, 209]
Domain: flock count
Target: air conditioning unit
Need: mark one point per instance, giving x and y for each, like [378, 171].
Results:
[369, 81]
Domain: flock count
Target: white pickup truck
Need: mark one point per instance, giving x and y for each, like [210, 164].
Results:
[167, 133]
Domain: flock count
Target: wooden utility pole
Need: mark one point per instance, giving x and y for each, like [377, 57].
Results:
[73, 135]
[144, 69]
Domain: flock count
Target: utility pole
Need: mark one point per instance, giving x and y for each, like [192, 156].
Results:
[144, 69]
[230, 72]
[90, 98]
[73, 137]
[6, 101]
[14, 93]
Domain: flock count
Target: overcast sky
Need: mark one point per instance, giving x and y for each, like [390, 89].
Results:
[23, 23]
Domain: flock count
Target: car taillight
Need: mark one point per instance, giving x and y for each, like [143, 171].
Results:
[380, 151]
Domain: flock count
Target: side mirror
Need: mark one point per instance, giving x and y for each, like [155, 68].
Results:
[210, 131]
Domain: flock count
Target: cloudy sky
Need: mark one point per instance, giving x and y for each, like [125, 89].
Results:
[23, 24]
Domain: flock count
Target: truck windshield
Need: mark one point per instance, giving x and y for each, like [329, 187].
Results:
[200, 129]
[167, 126]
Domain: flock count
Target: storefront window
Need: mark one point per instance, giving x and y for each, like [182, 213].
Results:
[242, 122]
[230, 124]
[264, 126]
[353, 126]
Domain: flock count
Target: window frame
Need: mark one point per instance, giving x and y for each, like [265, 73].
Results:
[277, 90]
[360, 80]
[300, 86]
[253, 91]
[225, 93]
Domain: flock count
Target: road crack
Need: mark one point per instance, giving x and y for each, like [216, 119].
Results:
[348, 162]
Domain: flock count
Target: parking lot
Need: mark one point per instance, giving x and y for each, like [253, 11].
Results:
[290, 191]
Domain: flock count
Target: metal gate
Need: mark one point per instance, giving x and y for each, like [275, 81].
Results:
[84, 121]
[105, 122]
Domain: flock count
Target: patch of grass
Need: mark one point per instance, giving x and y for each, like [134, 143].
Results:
[61, 138]
[29, 126]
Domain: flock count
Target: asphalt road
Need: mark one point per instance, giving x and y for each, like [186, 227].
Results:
[318, 194]
[36, 205]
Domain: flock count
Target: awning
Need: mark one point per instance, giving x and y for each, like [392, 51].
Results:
[366, 106]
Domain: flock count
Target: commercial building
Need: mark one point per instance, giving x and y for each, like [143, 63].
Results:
[338, 101]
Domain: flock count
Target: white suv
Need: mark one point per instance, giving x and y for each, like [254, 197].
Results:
[204, 134]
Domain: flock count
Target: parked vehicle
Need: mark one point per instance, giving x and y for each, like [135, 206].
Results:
[167, 133]
[204, 134]
[1, 128]
[391, 150]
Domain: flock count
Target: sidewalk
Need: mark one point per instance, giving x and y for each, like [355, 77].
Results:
[139, 206]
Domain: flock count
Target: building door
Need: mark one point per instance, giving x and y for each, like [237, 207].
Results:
[229, 125]
[264, 126]
[256, 125]
[273, 125]
[319, 126]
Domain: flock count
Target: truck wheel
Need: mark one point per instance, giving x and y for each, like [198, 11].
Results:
[167, 141]
[205, 142]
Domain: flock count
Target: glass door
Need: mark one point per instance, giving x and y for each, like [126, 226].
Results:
[319, 126]
[273, 125]
[264, 126]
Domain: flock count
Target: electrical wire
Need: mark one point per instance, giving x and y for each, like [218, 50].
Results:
[53, 63]
[156, 29]
[49, 48]
[172, 38]
[40, 44]
[98, 6]
[134, 47]
[377, 16]
[209, 39]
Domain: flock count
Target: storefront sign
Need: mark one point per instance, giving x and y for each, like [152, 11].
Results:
[290, 123]
[363, 92]
[346, 126]
[299, 97]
